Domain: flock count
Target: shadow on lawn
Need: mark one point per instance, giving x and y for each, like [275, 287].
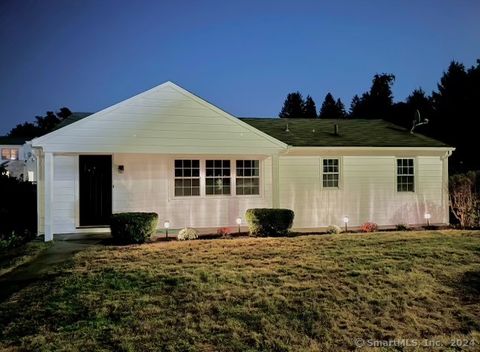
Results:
[469, 286]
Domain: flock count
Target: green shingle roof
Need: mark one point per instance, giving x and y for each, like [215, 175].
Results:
[320, 132]
[74, 117]
[352, 133]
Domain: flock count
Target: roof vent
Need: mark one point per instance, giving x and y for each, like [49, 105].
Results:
[335, 130]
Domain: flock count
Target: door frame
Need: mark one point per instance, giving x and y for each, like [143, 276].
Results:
[94, 228]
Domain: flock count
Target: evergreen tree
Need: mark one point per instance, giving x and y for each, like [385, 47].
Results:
[355, 107]
[332, 109]
[341, 109]
[455, 106]
[310, 109]
[376, 103]
[293, 107]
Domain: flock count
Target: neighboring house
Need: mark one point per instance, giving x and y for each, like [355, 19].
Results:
[17, 158]
[171, 152]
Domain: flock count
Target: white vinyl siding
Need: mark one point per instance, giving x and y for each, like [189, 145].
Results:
[147, 184]
[368, 191]
[165, 119]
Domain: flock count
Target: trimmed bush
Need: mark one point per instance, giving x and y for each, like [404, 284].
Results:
[269, 222]
[187, 234]
[128, 228]
[369, 227]
[334, 229]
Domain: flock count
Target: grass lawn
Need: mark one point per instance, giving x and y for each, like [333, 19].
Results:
[13, 258]
[308, 293]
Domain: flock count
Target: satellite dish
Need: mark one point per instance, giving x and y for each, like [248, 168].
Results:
[418, 121]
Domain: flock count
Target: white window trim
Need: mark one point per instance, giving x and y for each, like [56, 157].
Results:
[213, 177]
[233, 178]
[260, 172]
[415, 175]
[340, 173]
[201, 177]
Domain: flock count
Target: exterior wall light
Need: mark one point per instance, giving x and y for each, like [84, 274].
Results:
[345, 221]
[166, 224]
[427, 217]
[239, 222]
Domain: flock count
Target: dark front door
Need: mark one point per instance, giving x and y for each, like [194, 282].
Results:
[95, 189]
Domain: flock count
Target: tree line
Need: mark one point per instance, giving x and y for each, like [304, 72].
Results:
[42, 124]
[452, 110]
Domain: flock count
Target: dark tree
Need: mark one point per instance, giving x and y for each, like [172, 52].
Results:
[355, 107]
[332, 109]
[456, 109]
[293, 107]
[310, 109]
[341, 109]
[25, 130]
[41, 126]
[378, 102]
[403, 113]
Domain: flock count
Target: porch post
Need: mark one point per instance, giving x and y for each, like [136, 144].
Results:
[275, 181]
[48, 196]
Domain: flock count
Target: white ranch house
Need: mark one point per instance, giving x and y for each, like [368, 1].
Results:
[173, 153]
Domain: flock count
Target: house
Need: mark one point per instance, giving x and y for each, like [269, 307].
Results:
[171, 152]
[17, 158]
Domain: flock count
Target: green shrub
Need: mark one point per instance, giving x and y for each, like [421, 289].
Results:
[334, 229]
[129, 228]
[187, 234]
[269, 222]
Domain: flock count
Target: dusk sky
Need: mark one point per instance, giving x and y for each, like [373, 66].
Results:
[243, 56]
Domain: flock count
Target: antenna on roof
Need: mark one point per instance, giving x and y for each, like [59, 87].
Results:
[286, 129]
[418, 121]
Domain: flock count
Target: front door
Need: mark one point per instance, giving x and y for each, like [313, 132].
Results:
[95, 189]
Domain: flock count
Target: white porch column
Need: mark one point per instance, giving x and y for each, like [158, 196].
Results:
[48, 195]
[275, 181]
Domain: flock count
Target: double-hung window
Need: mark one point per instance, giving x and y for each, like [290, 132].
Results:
[187, 178]
[331, 173]
[217, 177]
[405, 175]
[248, 177]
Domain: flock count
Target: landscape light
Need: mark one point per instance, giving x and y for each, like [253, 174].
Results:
[166, 224]
[427, 217]
[239, 222]
[345, 221]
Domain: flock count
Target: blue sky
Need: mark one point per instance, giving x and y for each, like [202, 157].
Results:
[243, 56]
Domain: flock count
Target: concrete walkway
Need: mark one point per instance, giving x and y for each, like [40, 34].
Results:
[46, 264]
